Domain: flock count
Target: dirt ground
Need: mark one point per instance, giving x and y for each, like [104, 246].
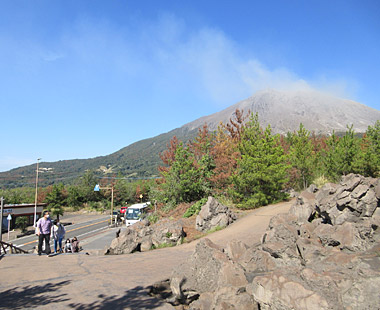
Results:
[189, 223]
[80, 281]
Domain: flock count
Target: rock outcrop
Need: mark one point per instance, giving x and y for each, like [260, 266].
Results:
[323, 254]
[143, 237]
[212, 215]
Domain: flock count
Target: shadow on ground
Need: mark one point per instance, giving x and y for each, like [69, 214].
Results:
[136, 298]
[32, 296]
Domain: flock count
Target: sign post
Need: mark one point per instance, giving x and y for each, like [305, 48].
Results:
[9, 218]
[97, 188]
[1, 218]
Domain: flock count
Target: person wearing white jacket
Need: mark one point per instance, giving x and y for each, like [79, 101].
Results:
[57, 234]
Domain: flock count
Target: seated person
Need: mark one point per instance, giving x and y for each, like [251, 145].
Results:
[68, 246]
[75, 244]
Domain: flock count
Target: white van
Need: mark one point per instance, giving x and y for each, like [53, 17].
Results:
[135, 212]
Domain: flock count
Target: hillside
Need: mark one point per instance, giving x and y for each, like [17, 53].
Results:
[284, 110]
[138, 160]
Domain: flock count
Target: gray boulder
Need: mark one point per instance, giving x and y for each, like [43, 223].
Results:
[143, 237]
[214, 214]
[323, 254]
[354, 198]
[125, 243]
[207, 269]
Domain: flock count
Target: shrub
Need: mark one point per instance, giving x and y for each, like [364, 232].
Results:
[195, 208]
[22, 222]
[153, 218]
[320, 181]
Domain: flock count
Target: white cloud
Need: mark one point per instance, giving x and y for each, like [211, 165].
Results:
[166, 52]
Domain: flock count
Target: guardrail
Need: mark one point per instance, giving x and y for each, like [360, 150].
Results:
[4, 247]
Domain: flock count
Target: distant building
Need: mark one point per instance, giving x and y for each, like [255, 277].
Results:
[25, 209]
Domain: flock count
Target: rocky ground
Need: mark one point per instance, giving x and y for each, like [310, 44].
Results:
[170, 231]
[323, 254]
[78, 281]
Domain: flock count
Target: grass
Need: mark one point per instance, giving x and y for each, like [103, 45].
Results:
[216, 228]
[195, 208]
[162, 245]
[153, 218]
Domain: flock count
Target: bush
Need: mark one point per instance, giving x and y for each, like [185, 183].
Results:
[320, 181]
[22, 222]
[195, 208]
[153, 218]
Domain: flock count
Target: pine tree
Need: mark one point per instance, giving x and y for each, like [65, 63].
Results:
[262, 168]
[183, 182]
[367, 161]
[373, 133]
[301, 155]
[330, 157]
[56, 200]
[347, 150]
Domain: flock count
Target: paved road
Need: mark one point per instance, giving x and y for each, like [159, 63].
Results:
[78, 281]
[80, 230]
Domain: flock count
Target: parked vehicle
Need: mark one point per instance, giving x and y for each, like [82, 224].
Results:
[136, 212]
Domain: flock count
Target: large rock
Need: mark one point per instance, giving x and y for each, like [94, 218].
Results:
[207, 269]
[354, 198]
[125, 243]
[323, 254]
[276, 291]
[143, 237]
[213, 214]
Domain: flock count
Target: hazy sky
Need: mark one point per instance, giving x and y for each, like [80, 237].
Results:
[83, 78]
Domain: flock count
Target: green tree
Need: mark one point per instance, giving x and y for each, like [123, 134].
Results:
[201, 148]
[74, 197]
[56, 200]
[182, 181]
[22, 222]
[348, 148]
[18, 195]
[330, 158]
[368, 159]
[301, 156]
[262, 169]
[86, 187]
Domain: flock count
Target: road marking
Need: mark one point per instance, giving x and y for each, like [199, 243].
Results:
[34, 241]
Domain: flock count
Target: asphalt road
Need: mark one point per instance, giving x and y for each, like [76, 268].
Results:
[80, 230]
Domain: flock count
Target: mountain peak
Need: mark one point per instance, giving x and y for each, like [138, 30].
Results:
[285, 110]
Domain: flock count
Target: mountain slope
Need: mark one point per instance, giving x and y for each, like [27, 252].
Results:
[284, 110]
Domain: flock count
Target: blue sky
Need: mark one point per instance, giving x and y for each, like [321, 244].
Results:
[83, 78]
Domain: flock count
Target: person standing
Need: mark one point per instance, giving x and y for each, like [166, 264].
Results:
[57, 234]
[43, 231]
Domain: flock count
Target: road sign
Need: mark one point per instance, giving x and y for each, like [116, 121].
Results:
[9, 217]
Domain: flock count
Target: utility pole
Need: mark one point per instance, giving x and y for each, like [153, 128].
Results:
[112, 205]
[1, 218]
[35, 198]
